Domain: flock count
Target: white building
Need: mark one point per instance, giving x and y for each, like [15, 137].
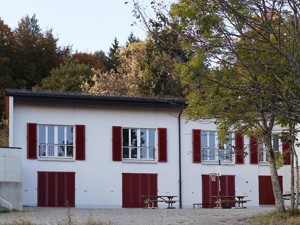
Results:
[106, 151]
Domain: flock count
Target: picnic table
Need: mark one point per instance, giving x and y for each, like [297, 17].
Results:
[151, 200]
[222, 200]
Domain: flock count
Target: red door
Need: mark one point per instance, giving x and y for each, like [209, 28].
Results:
[266, 196]
[136, 185]
[56, 189]
[221, 185]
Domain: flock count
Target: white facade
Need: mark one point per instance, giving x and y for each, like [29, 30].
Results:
[98, 179]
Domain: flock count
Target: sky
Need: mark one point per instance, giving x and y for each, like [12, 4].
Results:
[86, 25]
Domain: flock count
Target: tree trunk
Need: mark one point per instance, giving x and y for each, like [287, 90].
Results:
[279, 203]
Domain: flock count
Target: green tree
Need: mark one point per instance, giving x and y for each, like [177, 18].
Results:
[112, 58]
[69, 76]
[36, 54]
[243, 64]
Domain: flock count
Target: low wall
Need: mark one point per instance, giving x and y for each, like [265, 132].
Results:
[12, 192]
[10, 176]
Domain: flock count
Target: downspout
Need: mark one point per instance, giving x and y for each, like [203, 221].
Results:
[179, 151]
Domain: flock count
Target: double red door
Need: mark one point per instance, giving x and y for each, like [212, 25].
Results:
[56, 189]
[222, 185]
[136, 185]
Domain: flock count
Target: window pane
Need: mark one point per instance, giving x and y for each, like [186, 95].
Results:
[151, 153]
[151, 137]
[144, 153]
[125, 153]
[70, 151]
[50, 134]
[61, 135]
[42, 134]
[276, 142]
[134, 153]
[133, 141]
[69, 135]
[125, 137]
[143, 137]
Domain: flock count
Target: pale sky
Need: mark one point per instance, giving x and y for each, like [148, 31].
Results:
[86, 25]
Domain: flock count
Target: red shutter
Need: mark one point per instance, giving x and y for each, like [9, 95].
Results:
[196, 146]
[162, 144]
[253, 150]
[80, 142]
[239, 148]
[116, 143]
[286, 152]
[31, 141]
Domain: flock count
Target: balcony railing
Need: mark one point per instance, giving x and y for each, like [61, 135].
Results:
[215, 155]
[56, 150]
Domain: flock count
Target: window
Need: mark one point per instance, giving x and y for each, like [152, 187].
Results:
[213, 150]
[138, 144]
[263, 150]
[55, 141]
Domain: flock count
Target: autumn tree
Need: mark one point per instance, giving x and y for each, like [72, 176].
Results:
[243, 63]
[143, 71]
[89, 59]
[7, 56]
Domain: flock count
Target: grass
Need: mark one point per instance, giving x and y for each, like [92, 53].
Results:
[291, 217]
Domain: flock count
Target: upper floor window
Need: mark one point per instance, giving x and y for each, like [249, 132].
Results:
[213, 150]
[55, 141]
[263, 150]
[138, 144]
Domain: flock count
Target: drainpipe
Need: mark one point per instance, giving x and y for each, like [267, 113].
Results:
[179, 151]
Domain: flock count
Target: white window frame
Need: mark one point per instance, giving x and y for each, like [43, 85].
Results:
[262, 150]
[215, 152]
[56, 150]
[150, 157]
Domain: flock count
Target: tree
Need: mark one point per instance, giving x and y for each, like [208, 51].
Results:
[230, 73]
[131, 39]
[36, 53]
[143, 71]
[112, 58]
[89, 59]
[7, 56]
[67, 77]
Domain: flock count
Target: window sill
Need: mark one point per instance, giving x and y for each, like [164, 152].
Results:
[217, 163]
[60, 159]
[150, 161]
[263, 163]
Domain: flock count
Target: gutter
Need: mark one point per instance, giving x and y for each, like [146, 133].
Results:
[179, 151]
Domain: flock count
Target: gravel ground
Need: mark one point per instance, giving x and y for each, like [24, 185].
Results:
[54, 216]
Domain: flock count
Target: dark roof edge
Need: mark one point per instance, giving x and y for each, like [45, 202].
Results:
[166, 102]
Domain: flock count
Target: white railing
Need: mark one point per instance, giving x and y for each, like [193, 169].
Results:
[215, 155]
[5, 204]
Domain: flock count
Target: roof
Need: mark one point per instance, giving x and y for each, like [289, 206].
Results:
[23, 95]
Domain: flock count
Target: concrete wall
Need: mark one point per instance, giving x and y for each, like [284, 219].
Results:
[12, 192]
[10, 176]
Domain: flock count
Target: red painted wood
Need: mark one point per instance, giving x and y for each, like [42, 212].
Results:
[266, 196]
[239, 148]
[55, 189]
[162, 145]
[196, 135]
[116, 143]
[31, 141]
[41, 189]
[227, 183]
[80, 142]
[286, 152]
[135, 185]
[253, 150]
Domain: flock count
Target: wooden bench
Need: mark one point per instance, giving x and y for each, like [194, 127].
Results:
[240, 203]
